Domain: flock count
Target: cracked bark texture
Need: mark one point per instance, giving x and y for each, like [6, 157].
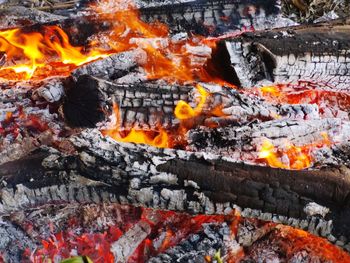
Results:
[317, 53]
[217, 17]
[104, 170]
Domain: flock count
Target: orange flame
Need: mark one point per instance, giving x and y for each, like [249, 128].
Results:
[304, 92]
[32, 51]
[299, 156]
[158, 138]
[48, 52]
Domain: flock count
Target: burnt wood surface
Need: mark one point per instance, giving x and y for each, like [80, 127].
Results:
[58, 168]
[215, 17]
[317, 53]
[104, 170]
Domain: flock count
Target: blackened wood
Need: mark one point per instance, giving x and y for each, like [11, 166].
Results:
[316, 53]
[104, 170]
[215, 17]
[20, 16]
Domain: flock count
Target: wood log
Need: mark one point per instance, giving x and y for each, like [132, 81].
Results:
[315, 53]
[143, 105]
[217, 17]
[176, 180]
[20, 16]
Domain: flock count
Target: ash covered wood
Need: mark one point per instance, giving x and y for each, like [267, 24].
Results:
[315, 53]
[128, 243]
[104, 170]
[20, 16]
[216, 169]
[217, 17]
[163, 236]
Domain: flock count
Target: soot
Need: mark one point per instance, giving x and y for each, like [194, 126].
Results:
[83, 105]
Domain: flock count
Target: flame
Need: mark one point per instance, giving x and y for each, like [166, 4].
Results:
[271, 90]
[299, 157]
[184, 111]
[158, 138]
[30, 51]
[304, 92]
[48, 51]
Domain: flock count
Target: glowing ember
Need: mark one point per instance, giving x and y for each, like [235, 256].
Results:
[168, 229]
[305, 93]
[16, 122]
[298, 157]
[97, 246]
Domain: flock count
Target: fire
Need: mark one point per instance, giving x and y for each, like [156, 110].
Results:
[158, 138]
[97, 245]
[304, 92]
[299, 157]
[31, 51]
[184, 111]
[48, 51]
[271, 90]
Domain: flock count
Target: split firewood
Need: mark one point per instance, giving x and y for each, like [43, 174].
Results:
[315, 53]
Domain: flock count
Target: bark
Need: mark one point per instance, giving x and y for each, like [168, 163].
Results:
[316, 53]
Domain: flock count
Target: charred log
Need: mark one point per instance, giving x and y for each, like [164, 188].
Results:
[21, 16]
[177, 180]
[317, 53]
[215, 17]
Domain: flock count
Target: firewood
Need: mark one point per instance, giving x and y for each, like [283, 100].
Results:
[173, 179]
[20, 16]
[290, 55]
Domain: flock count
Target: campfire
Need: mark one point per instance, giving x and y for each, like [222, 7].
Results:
[206, 131]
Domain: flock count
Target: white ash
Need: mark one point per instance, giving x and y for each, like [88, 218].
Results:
[313, 209]
[191, 184]
[125, 246]
[132, 77]
[164, 178]
[52, 91]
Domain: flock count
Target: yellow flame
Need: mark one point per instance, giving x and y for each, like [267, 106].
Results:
[158, 138]
[299, 157]
[184, 111]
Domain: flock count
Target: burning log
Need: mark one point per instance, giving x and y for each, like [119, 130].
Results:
[218, 147]
[289, 55]
[176, 180]
[21, 16]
